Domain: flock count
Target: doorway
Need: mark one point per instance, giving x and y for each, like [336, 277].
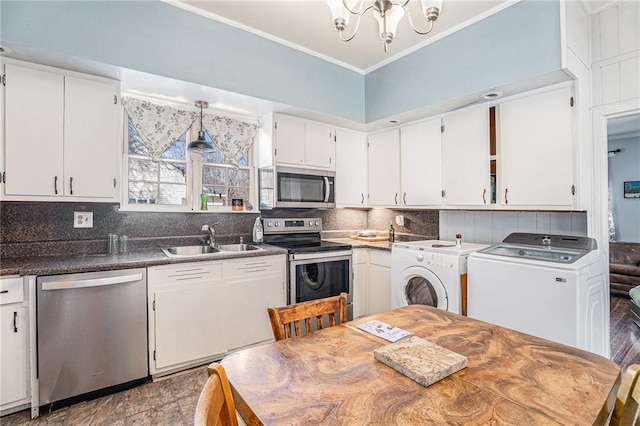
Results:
[623, 158]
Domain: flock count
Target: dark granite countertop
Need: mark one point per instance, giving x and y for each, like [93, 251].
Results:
[54, 265]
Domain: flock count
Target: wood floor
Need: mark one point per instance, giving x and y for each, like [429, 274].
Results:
[625, 334]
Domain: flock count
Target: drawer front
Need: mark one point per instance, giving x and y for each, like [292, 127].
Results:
[185, 272]
[255, 265]
[360, 255]
[11, 290]
[380, 257]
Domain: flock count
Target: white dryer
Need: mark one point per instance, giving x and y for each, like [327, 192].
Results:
[429, 273]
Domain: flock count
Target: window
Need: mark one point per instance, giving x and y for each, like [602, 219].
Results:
[161, 174]
[161, 181]
[223, 182]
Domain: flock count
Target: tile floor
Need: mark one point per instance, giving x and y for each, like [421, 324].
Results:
[167, 401]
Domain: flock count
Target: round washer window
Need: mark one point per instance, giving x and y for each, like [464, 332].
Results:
[419, 291]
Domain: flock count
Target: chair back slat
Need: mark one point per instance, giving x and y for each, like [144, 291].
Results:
[625, 409]
[215, 404]
[282, 318]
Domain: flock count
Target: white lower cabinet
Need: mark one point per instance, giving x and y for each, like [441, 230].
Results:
[14, 353]
[360, 285]
[379, 281]
[253, 285]
[202, 310]
[371, 281]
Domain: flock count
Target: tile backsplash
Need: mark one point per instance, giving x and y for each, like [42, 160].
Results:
[491, 227]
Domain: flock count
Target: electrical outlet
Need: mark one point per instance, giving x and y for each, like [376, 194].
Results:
[83, 219]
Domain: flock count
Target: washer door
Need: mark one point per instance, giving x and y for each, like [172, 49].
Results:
[420, 286]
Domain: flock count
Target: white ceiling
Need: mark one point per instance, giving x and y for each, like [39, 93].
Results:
[307, 26]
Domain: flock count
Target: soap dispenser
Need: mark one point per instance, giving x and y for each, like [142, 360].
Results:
[258, 231]
[392, 233]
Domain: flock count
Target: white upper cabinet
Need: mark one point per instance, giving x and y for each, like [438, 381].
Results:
[90, 134]
[351, 168]
[61, 135]
[535, 150]
[466, 159]
[320, 146]
[289, 141]
[299, 142]
[421, 163]
[34, 126]
[384, 168]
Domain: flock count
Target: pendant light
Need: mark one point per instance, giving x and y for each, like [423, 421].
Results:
[200, 145]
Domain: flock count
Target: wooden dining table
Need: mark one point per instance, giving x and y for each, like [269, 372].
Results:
[331, 377]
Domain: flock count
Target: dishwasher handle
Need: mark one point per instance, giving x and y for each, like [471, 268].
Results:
[93, 282]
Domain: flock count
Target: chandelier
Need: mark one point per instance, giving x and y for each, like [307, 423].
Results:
[388, 13]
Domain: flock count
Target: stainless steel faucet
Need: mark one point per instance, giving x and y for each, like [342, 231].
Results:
[212, 233]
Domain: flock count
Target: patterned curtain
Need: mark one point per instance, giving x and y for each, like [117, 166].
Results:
[232, 137]
[157, 125]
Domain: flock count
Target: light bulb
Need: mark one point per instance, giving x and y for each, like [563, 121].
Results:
[431, 9]
[392, 17]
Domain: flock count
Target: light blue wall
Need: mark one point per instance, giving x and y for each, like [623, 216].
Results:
[165, 40]
[517, 43]
[625, 167]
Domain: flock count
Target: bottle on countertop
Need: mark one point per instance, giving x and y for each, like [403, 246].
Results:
[459, 241]
[258, 231]
[392, 233]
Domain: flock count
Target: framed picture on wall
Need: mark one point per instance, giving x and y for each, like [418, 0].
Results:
[632, 189]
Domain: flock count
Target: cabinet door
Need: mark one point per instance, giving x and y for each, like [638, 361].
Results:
[379, 289]
[90, 138]
[290, 141]
[421, 164]
[384, 168]
[251, 297]
[351, 168]
[13, 352]
[360, 290]
[536, 150]
[34, 131]
[320, 148]
[190, 323]
[466, 160]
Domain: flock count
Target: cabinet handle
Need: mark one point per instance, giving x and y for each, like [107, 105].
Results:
[484, 196]
[404, 198]
[362, 195]
[15, 321]
[55, 185]
[506, 200]
[396, 198]
[71, 186]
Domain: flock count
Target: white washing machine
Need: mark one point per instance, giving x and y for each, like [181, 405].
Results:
[550, 286]
[429, 273]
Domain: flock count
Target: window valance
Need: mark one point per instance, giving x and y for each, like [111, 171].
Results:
[232, 137]
[159, 126]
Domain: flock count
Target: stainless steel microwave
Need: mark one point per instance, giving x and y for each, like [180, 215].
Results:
[289, 187]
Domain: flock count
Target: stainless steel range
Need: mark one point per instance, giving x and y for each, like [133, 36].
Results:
[316, 268]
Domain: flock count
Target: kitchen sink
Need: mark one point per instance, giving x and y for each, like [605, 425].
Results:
[189, 251]
[237, 247]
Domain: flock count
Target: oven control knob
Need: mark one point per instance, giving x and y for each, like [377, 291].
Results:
[317, 223]
[311, 223]
[277, 224]
[419, 257]
[269, 224]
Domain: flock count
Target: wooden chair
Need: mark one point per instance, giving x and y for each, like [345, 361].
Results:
[282, 318]
[625, 410]
[215, 405]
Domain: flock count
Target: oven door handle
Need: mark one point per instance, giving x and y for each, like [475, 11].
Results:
[337, 255]
[326, 189]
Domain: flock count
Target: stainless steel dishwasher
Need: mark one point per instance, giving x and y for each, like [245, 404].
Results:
[92, 334]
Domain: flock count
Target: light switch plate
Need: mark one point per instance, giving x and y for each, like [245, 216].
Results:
[83, 219]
